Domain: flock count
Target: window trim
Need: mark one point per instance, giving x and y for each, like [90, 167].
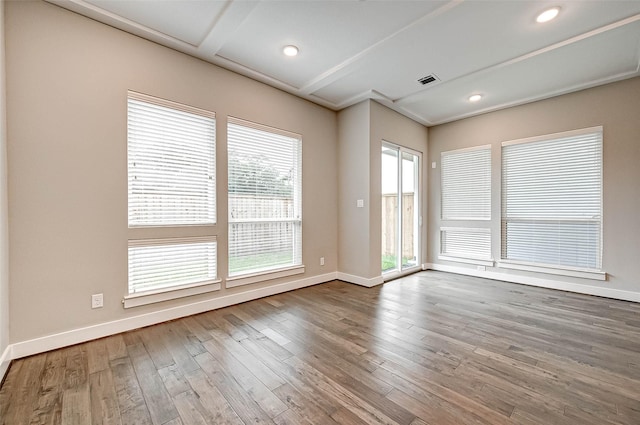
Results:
[552, 269]
[555, 269]
[261, 276]
[172, 293]
[486, 263]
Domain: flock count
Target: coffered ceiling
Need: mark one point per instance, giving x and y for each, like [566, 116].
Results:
[355, 50]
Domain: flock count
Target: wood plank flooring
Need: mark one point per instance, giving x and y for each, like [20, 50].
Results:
[432, 348]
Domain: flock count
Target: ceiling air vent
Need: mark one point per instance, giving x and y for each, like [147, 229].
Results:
[428, 79]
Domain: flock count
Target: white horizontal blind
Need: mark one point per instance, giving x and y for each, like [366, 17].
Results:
[552, 199]
[265, 198]
[171, 168]
[466, 184]
[159, 264]
[171, 162]
[466, 242]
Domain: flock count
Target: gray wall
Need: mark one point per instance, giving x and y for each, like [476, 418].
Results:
[616, 107]
[354, 177]
[362, 129]
[67, 81]
[4, 229]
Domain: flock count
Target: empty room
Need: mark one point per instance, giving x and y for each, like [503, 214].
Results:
[319, 212]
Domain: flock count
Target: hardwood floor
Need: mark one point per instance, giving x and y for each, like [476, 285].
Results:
[432, 348]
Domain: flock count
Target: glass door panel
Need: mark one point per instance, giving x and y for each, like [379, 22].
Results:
[410, 208]
[400, 208]
[390, 199]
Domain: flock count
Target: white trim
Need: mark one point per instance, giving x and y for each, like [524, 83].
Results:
[580, 288]
[263, 127]
[247, 279]
[5, 360]
[461, 150]
[150, 297]
[394, 274]
[362, 281]
[585, 274]
[165, 103]
[488, 263]
[133, 242]
[555, 136]
[77, 336]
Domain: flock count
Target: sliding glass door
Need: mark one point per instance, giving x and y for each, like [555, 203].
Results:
[400, 208]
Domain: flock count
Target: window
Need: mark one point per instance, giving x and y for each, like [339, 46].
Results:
[171, 173]
[265, 191]
[465, 184]
[164, 263]
[552, 200]
[466, 242]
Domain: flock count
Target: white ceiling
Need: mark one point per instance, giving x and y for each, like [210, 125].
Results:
[355, 50]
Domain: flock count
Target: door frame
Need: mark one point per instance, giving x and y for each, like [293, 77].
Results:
[398, 271]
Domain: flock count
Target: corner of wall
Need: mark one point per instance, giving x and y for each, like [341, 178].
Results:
[353, 184]
[5, 349]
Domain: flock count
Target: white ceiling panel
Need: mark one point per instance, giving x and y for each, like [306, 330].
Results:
[355, 50]
[327, 33]
[603, 58]
[185, 20]
[468, 38]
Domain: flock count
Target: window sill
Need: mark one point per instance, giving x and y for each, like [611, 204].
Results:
[478, 262]
[248, 279]
[150, 297]
[571, 272]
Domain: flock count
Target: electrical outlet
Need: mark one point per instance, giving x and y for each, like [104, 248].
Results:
[481, 268]
[97, 301]
[322, 261]
[360, 203]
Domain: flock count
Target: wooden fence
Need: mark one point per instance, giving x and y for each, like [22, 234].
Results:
[273, 236]
[389, 224]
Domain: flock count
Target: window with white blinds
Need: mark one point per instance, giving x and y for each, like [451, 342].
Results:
[466, 242]
[465, 190]
[265, 198]
[465, 184]
[171, 159]
[171, 173]
[552, 200]
[158, 264]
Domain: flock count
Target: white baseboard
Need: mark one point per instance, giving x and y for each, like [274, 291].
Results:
[362, 281]
[76, 336]
[5, 359]
[540, 282]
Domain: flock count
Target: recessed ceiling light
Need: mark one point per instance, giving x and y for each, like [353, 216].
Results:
[290, 50]
[548, 15]
[475, 97]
